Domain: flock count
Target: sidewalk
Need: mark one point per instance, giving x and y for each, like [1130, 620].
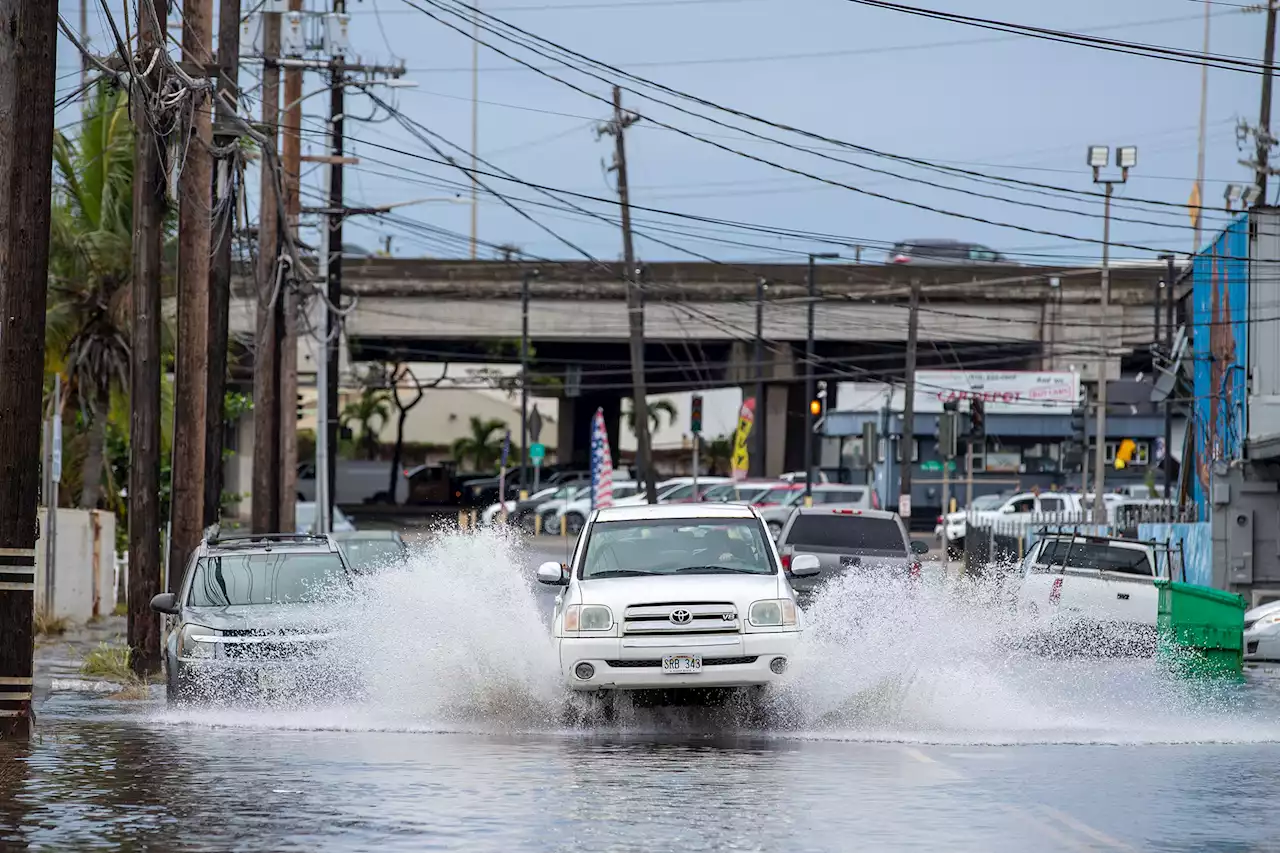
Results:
[58, 659]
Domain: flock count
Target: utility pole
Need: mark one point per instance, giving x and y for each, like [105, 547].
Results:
[84, 40]
[808, 375]
[28, 47]
[1198, 195]
[333, 270]
[149, 209]
[635, 303]
[1126, 159]
[475, 133]
[1264, 138]
[195, 187]
[524, 383]
[291, 163]
[1171, 286]
[909, 405]
[226, 135]
[270, 286]
[759, 468]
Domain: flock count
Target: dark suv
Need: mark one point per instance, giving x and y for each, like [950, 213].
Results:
[848, 539]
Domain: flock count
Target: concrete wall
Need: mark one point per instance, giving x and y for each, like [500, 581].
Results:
[84, 564]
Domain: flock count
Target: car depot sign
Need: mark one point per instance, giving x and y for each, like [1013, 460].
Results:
[1001, 389]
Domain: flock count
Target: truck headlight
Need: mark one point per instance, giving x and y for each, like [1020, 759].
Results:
[773, 613]
[192, 648]
[587, 617]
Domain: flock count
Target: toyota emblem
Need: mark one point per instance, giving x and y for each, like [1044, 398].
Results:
[681, 617]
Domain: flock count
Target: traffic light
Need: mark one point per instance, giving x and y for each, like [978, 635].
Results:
[977, 420]
[1124, 453]
[695, 415]
[301, 405]
[1077, 425]
[819, 401]
[948, 434]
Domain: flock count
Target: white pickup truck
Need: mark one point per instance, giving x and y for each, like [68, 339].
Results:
[1081, 593]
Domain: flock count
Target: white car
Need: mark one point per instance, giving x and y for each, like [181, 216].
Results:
[1029, 507]
[574, 513]
[1262, 632]
[951, 525]
[1091, 592]
[675, 596]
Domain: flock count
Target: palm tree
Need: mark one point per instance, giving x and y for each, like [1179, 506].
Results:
[719, 455]
[372, 411]
[484, 446]
[657, 408]
[90, 270]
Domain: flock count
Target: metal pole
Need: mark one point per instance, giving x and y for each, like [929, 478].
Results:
[760, 419]
[968, 479]
[808, 389]
[524, 386]
[1204, 117]
[1100, 455]
[1168, 401]
[909, 406]
[475, 128]
[697, 440]
[337, 106]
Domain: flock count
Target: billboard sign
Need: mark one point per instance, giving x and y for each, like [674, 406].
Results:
[1001, 390]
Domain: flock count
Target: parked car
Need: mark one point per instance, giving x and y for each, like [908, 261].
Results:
[951, 525]
[370, 550]
[574, 513]
[1262, 632]
[249, 617]
[305, 518]
[862, 497]
[357, 481]
[675, 596]
[740, 491]
[491, 512]
[929, 252]
[1028, 507]
[847, 539]
[1093, 594]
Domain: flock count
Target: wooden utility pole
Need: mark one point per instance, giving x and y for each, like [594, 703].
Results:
[291, 161]
[28, 47]
[1264, 116]
[195, 188]
[270, 314]
[225, 199]
[333, 274]
[149, 210]
[635, 302]
[909, 407]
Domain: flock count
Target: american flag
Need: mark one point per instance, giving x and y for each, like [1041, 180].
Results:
[601, 464]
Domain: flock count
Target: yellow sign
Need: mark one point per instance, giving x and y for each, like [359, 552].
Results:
[741, 439]
[1193, 205]
[1124, 453]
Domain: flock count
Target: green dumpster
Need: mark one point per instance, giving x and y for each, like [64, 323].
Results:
[1201, 629]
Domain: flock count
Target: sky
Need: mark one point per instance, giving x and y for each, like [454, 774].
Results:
[997, 104]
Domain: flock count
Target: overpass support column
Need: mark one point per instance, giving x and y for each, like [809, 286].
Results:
[574, 427]
[780, 373]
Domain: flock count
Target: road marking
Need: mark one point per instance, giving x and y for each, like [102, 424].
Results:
[1047, 828]
[1084, 829]
[918, 755]
[940, 769]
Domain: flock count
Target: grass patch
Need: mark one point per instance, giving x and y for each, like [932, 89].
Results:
[122, 609]
[50, 626]
[111, 662]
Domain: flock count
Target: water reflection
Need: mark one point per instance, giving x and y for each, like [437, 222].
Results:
[13, 799]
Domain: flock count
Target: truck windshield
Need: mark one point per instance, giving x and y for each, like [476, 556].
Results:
[1103, 556]
[846, 533]
[236, 579]
[677, 546]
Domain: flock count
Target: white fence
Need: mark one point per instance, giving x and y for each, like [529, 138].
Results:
[83, 567]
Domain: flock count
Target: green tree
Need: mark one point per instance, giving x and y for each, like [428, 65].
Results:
[90, 271]
[657, 408]
[372, 411]
[719, 455]
[484, 446]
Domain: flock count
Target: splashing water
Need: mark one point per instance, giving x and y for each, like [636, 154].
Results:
[456, 638]
[933, 661]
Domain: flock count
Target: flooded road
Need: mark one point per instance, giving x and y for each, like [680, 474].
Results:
[458, 746]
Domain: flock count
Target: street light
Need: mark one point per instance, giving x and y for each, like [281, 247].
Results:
[1126, 159]
[1239, 192]
[808, 376]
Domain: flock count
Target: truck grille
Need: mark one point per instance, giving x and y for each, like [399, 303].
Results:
[700, 617]
[270, 645]
[639, 664]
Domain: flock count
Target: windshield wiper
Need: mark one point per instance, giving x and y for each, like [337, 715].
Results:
[619, 573]
[716, 570]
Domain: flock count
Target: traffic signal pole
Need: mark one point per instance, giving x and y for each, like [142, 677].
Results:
[695, 427]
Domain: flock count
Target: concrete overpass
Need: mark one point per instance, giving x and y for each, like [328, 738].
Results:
[700, 321]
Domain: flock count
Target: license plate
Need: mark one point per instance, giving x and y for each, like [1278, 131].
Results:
[682, 664]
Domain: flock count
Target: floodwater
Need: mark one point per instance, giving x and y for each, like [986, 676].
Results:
[909, 725]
